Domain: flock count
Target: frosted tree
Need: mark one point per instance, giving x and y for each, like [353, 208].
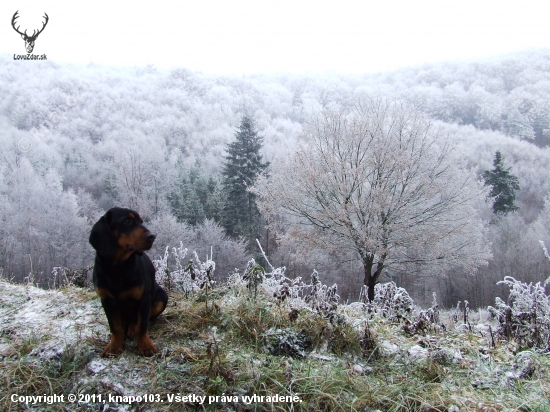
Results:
[243, 164]
[381, 181]
[504, 186]
[142, 172]
[42, 226]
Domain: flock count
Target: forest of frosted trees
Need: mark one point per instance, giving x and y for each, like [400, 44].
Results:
[76, 141]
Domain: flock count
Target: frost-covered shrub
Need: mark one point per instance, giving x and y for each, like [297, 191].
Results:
[186, 275]
[526, 316]
[286, 342]
[368, 342]
[273, 285]
[282, 287]
[432, 313]
[316, 296]
[423, 320]
[173, 276]
[229, 253]
[201, 272]
[276, 286]
[390, 301]
[77, 277]
[253, 275]
[205, 238]
[461, 313]
[322, 298]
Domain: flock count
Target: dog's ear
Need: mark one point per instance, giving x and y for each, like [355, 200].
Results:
[101, 237]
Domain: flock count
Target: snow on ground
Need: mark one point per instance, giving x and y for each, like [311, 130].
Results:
[54, 322]
[51, 318]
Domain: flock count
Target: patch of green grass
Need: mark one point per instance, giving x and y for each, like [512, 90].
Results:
[187, 319]
[250, 319]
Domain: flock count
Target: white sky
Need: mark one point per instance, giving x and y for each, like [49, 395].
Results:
[251, 36]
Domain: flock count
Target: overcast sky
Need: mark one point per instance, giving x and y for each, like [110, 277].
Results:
[251, 36]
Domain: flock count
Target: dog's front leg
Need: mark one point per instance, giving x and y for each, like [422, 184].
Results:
[117, 327]
[144, 343]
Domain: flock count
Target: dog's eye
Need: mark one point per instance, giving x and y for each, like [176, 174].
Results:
[127, 221]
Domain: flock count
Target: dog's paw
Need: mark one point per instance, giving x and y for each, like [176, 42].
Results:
[111, 350]
[115, 347]
[145, 345]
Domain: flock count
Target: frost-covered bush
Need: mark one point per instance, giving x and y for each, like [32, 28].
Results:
[272, 284]
[431, 314]
[201, 272]
[206, 238]
[461, 313]
[276, 286]
[423, 319]
[286, 342]
[526, 316]
[185, 275]
[390, 301]
[229, 253]
[253, 275]
[281, 287]
[78, 277]
[322, 298]
[174, 276]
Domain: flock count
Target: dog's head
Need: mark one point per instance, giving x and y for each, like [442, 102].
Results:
[119, 233]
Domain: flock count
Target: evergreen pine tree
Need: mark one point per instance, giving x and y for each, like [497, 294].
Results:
[243, 164]
[504, 184]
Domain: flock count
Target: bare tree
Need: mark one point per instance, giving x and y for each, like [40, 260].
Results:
[142, 172]
[381, 181]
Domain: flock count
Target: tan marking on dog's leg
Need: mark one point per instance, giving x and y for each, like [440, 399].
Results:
[145, 345]
[116, 344]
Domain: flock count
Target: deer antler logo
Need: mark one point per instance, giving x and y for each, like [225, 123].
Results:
[29, 40]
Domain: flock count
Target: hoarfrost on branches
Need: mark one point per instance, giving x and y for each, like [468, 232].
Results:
[315, 296]
[188, 276]
[526, 316]
[390, 301]
[176, 276]
[322, 298]
[202, 272]
[384, 182]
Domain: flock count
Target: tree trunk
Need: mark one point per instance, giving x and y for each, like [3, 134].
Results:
[371, 278]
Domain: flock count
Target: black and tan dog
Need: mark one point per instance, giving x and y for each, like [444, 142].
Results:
[124, 279]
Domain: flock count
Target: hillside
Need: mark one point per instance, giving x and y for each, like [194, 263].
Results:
[264, 347]
[76, 140]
